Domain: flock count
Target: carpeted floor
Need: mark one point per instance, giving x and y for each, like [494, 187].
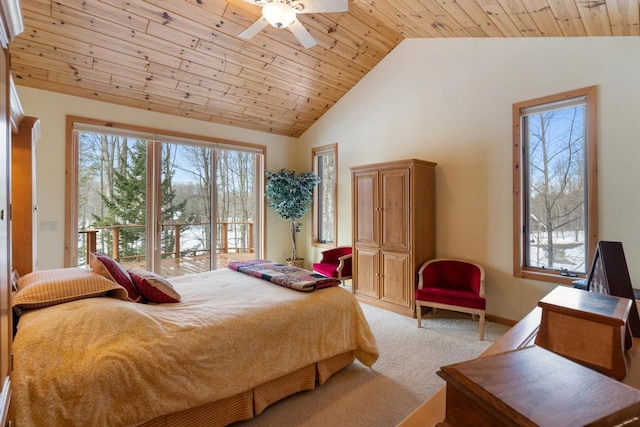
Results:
[403, 377]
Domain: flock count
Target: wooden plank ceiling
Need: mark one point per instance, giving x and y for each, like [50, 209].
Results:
[183, 57]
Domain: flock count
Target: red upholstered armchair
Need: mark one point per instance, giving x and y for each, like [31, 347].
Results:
[335, 262]
[451, 285]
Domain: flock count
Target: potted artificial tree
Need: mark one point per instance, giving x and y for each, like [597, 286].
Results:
[290, 194]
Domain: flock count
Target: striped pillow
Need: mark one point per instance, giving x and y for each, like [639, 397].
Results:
[50, 287]
[154, 288]
[112, 270]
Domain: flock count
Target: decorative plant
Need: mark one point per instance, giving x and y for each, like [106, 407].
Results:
[290, 194]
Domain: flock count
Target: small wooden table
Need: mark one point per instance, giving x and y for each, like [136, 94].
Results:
[586, 327]
[523, 334]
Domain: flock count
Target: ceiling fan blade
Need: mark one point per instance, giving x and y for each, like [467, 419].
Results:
[256, 2]
[304, 37]
[324, 6]
[254, 28]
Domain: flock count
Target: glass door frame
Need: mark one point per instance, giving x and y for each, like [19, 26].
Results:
[154, 225]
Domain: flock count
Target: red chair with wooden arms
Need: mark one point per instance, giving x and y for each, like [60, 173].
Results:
[454, 285]
[335, 262]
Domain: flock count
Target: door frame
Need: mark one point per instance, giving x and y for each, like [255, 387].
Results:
[72, 185]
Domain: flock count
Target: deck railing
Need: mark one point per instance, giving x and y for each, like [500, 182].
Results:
[228, 241]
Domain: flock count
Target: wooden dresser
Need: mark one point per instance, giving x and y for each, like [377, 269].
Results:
[393, 231]
[522, 335]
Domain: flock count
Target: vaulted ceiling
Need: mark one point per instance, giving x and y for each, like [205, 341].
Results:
[183, 57]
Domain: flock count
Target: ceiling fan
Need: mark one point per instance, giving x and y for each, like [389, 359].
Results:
[282, 14]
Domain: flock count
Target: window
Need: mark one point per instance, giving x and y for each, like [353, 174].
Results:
[173, 204]
[555, 189]
[325, 165]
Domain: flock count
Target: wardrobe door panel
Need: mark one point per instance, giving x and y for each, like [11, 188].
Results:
[367, 273]
[394, 279]
[366, 214]
[394, 195]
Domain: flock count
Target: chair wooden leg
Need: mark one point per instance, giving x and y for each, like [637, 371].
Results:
[482, 327]
[419, 315]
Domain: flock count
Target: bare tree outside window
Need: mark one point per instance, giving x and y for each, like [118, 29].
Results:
[325, 165]
[555, 142]
[554, 169]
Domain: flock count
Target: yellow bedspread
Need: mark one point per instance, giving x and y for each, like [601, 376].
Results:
[103, 361]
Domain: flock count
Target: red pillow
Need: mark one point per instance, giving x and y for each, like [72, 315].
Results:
[112, 270]
[154, 288]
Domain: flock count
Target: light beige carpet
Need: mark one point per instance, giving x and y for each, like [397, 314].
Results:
[403, 377]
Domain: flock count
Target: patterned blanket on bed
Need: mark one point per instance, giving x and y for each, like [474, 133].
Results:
[288, 276]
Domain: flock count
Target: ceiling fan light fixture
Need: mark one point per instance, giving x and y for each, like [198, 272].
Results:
[279, 14]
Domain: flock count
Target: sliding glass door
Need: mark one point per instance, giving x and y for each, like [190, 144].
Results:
[238, 200]
[112, 198]
[171, 205]
[186, 224]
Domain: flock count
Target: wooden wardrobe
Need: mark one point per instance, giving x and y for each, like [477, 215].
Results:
[393, 230]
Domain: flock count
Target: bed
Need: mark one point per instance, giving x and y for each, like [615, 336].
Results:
[231, 346]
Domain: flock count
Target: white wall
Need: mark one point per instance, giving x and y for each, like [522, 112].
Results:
[52, 109]
[449, 101]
